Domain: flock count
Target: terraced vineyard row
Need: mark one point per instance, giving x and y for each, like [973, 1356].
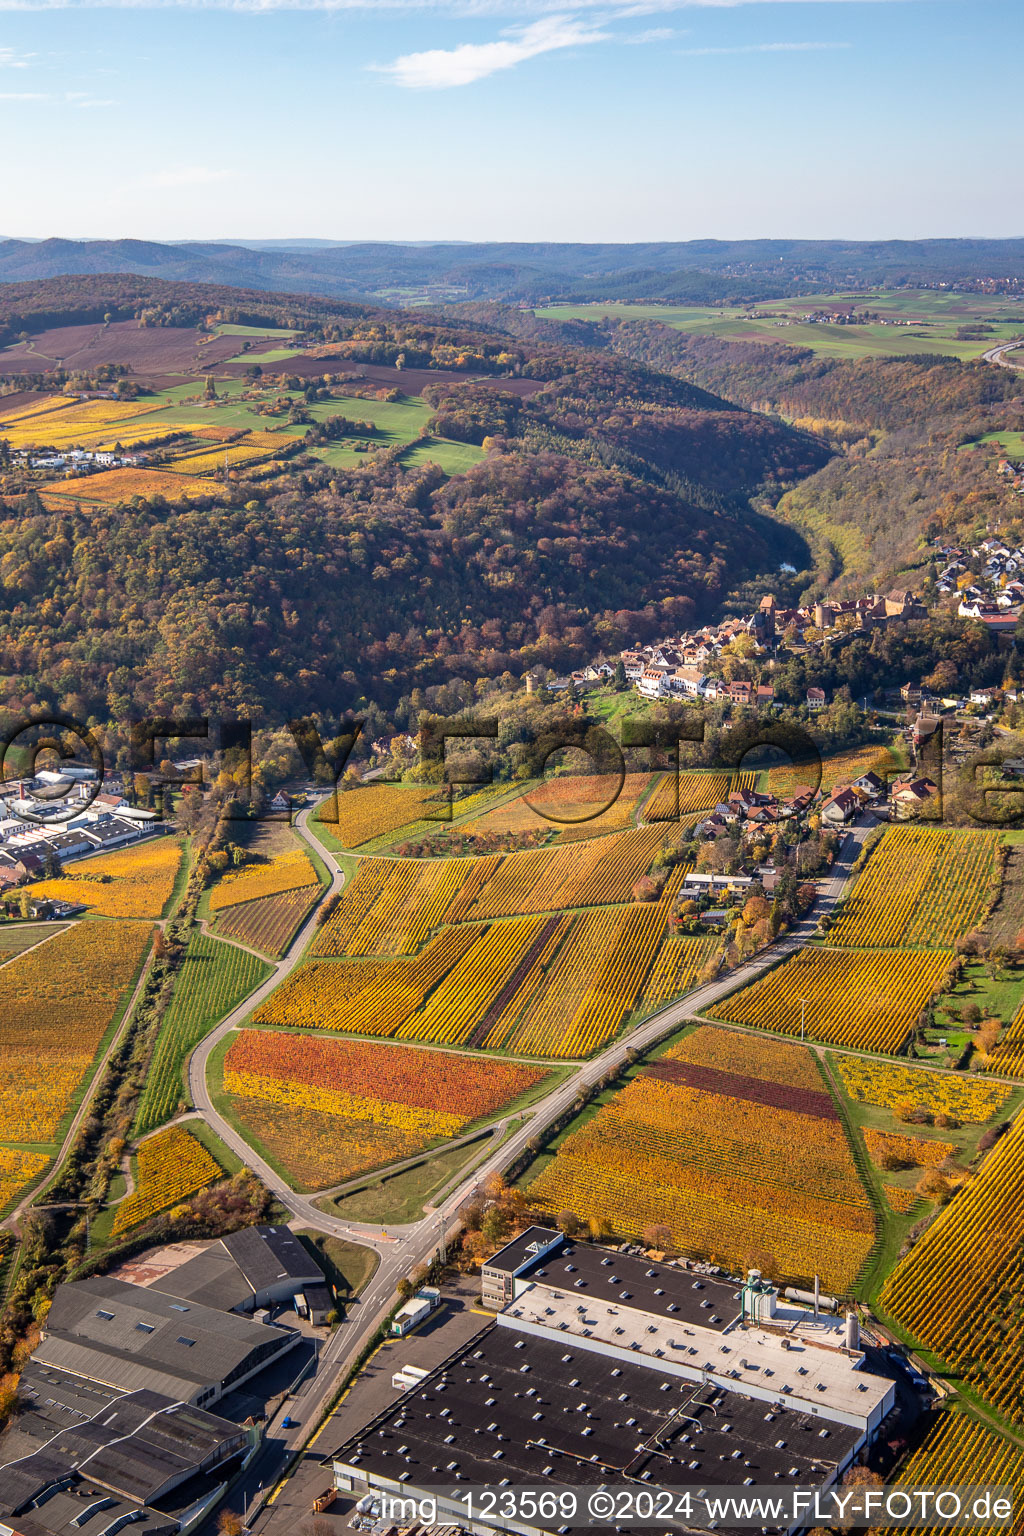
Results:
[958, 1289]
[921, 886]
[213, 979]
[732, 1164]
[864, 998]
[269, 922]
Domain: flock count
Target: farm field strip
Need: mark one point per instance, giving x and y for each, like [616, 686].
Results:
[331, 1109]
[920, 886]
[172, 1165]
[268, 922]
[131, 882]
[290, 870]
[56, 1004]
[18, 1168]
[968, 1266]
[559, 805]
[595, 873]
[323, 993]
[114, 485]
[677, 968]
[868, 999]
[677, 795]
[392, 905]
[730, 1174]
[213, 979]
[957, 1442]
[368, 811]
[453, 1011]
[893, 1086]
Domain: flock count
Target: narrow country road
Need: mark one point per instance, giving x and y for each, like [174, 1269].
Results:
[406, 1246]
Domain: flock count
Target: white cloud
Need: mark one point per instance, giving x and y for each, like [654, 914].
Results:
[11, 60]
[650, 35]
[182, 176]
[698, 53]
[439, 68]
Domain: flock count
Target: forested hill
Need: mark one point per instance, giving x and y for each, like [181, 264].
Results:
[696, 271]
[614, 502]
[905, 472]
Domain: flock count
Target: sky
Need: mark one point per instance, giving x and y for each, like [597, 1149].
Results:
[511, 119]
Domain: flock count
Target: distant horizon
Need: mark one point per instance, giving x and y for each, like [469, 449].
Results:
[315, 242]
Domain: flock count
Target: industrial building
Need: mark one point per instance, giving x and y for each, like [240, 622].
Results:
[79, 1463]
[132, 1337]
[247, 1271]
[115, 1427]
[606, 1368]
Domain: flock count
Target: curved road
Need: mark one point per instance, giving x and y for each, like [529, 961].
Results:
[403, 1247]
[998, 354]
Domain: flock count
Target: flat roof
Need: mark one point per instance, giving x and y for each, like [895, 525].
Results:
[522, 1249]
[516, 1410]
[801, 1359]
[667, 1290]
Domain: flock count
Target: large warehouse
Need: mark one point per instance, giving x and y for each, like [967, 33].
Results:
[131, 1337]
[84, 1463]
[603, 1368]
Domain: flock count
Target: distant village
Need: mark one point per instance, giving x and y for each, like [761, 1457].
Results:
[994, 594]
[688, 666]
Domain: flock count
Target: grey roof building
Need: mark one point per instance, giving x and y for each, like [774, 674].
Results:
[141, 1459]
[252, 1268]
[132, 1338]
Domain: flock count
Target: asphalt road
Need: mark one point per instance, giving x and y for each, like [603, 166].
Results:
[403, 1247]
[998, 355]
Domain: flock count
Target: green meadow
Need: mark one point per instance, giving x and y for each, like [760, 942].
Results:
[935, 319]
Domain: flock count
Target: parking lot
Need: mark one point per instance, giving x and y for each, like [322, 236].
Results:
[454, 1323]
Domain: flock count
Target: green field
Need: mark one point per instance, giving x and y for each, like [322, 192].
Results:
[1011, 443]
[936, 317]
[453, 458]
[401, 1197]
[393, 423]
[272, 355]
[348, 1266]
[254, 330]
[214, 977]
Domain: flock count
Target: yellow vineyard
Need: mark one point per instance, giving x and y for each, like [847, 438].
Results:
[137, 882]
[56, 1002]
[921, 886]
[288, 871]
[941, 1093]
[172, 1165]
[958, 1449]
[967, 1270]
[864, 998]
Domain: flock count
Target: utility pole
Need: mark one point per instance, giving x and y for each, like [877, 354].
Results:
[803, 1001]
